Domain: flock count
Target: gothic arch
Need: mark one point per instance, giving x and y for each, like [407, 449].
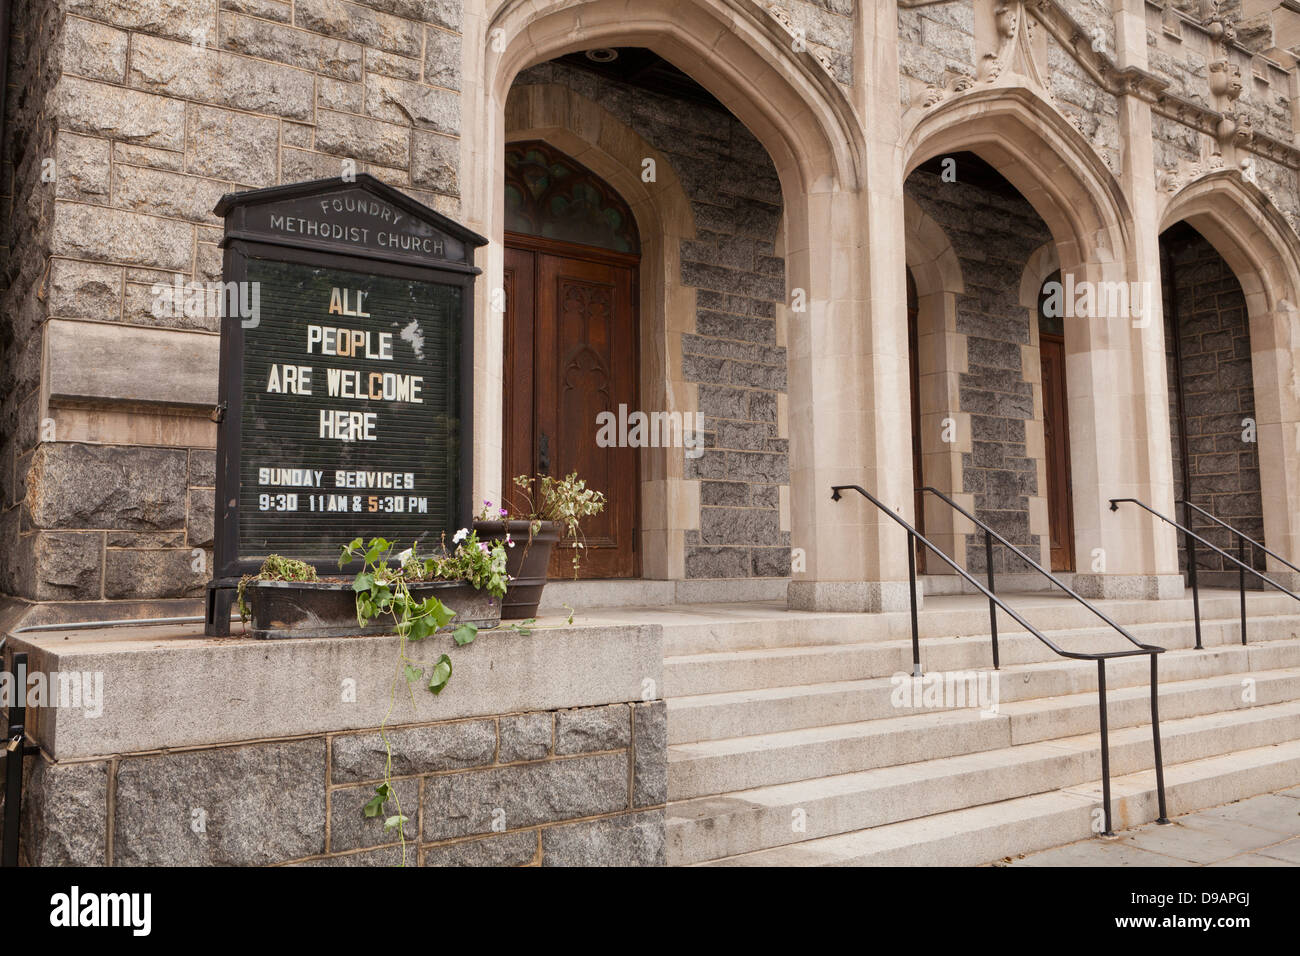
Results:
[1263, 252]
[594, 137]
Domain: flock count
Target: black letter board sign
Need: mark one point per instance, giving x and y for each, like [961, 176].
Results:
[346, 372]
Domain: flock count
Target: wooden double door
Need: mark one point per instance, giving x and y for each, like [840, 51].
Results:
[570, 362]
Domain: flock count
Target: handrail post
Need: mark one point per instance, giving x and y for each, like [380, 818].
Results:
[1105, 744]
[1191, 576]
[1241, 583]
[911, 593]
[993, 608]
[14, 765]
[1155, 740]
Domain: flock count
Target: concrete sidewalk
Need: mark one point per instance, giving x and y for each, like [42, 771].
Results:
[1258, 831]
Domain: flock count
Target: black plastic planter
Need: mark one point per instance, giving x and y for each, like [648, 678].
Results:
[526, 562]
[283, 609]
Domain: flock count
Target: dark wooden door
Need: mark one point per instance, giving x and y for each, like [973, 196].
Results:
[571, 354]
[1056, 434]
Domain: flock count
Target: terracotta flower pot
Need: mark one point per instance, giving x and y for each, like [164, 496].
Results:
[526, 563]
[282, 609]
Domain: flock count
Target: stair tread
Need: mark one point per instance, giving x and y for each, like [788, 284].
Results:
[846, 847]
[798, 737]
[794, 650]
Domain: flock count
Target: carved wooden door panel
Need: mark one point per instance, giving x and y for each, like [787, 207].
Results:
[571, 355]
[1056, 446]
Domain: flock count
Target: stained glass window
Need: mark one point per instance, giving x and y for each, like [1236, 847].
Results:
[551, 195]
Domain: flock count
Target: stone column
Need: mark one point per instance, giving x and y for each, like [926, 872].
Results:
[849, 414]
[1118, 390]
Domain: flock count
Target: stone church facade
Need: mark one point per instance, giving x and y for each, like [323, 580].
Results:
[782, 227]
[847, 218]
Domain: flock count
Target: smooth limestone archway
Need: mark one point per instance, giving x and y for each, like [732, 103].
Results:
[1263, 253]
[1112, 378]
[847, 351]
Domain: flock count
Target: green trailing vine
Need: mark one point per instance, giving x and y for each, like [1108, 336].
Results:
[383, 590]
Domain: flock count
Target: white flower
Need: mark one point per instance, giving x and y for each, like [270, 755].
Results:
[404, 556]
[459, 536]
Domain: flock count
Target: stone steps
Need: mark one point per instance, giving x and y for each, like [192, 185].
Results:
[791, 751]
[707, 717]
[994, 831]
[763, 817]
[758, 626]
[724, 671]
[741, 763]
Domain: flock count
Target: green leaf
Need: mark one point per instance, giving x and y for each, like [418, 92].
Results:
[465, 634]
[396, 821]
[413, 673]
[376, 803]
[421, 628]
[363, 581]
[441, 674]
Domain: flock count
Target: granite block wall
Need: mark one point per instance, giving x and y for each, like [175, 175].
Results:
[140, 115]
[584, 786]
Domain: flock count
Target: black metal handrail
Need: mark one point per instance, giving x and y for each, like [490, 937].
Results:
[1101, 657]
[990, 534]
[1192, 537]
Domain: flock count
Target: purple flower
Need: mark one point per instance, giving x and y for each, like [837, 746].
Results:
[504, 512]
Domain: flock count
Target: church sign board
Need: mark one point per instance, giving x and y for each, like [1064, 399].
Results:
[346, 375]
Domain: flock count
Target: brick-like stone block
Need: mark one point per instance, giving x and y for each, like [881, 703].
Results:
[435, 162]
[442, 58]
[463, 804]
[65, 813]
[82, 163]
[94, 50]
[344, 134]
[506, 849]
[124, 115]
[114, 235]
[634, 839]
[200, 524]
[85, 290]
[103, 486]
[650, 754]
[202, 468]
[160, 573]
[68, 565]
[368, 27]
[232, 146]
[351, 829]
[401, 101]
[450, 746]
[259, 803]
[589, 729]
[526, 737]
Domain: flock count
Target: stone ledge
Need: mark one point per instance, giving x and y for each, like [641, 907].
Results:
[173, 688]
[95, 361]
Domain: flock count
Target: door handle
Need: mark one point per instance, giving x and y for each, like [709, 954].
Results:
[544, 454]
